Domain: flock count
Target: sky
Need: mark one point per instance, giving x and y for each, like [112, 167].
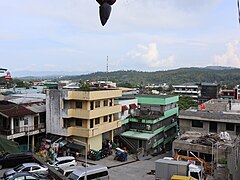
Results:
[144, 35]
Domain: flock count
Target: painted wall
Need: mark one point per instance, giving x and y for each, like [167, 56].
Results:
[95, 142]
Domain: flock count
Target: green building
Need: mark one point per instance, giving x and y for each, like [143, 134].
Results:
[153, 126]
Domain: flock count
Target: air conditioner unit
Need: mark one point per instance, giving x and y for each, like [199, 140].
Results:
[148, 127]
[173, 120]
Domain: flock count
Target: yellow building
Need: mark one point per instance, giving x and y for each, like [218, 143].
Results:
[89, 116]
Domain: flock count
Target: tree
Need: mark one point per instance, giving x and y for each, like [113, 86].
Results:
[186, 102]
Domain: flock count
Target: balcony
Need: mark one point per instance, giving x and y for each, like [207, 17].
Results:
[93, 95]
[90, 114]
[97, 130]
[22, 131]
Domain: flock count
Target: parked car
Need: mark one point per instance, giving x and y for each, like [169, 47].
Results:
[26, 167]
[63, 162]
[26, 175]
[11, 160]
[67, 170]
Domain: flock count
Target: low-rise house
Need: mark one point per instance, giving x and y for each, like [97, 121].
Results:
[22, 122]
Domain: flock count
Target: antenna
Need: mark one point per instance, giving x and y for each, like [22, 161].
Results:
[107, 69]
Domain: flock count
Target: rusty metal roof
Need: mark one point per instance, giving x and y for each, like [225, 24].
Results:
[14, 110]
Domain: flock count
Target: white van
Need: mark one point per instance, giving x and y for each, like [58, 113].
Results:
[97, 172]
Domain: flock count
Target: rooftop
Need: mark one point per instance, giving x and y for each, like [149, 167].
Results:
[210, 115]
[192, 137]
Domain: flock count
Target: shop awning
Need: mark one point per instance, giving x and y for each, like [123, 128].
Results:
[124, 108]
[75, 146]
[133, 106]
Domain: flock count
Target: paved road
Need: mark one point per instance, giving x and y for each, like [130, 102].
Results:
[134, 171]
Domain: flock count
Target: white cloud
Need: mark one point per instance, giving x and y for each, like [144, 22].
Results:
[149, 55]
[231, 57]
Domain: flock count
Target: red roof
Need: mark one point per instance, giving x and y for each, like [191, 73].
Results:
[133, 106]
[124, 108]
[14, 110]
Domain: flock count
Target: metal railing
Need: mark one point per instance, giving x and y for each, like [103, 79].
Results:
[16, 130]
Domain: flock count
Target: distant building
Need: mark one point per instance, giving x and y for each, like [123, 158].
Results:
[153, 124]
[200, 92]
[218, 116]
[230, 93]
[227, 94]
[188, 89]
[90, 116]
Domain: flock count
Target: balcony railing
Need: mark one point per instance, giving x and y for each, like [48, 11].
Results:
[26, 129]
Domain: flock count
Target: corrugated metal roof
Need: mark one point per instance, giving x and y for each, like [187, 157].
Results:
[23, 100]
[36, 107]
[14, 110]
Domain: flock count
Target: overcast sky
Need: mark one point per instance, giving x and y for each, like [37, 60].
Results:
[147, 35]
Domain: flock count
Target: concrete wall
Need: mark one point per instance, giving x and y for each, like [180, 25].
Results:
[95, 142]
[219, 152]
[125, 102]
[54, 113]
[186, 125]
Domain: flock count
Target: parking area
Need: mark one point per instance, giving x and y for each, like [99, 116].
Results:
[131, 169]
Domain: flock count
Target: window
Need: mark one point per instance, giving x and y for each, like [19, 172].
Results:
[27, 169]
[91, 105]
[25, 122]
[111, 102]
[79, 104]
[30, 177]
[212, 126]
[97, 121]
[66, 123]
[229, 126]
[98, 175]
[110, 118]
[105, 103]
[78, 122]
[105, 119]
[34, 168]
[20, 178]
[198, 124]
[97, 104]
[91, 123]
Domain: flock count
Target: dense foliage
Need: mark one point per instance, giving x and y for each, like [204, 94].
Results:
[186, 102]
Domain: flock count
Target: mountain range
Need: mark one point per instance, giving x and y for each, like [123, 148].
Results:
[212, 74]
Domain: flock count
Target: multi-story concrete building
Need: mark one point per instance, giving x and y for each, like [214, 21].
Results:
[200, 92]
[90, 116]
[218, 116]
[154, 124]
[213, 130]
[188, 89]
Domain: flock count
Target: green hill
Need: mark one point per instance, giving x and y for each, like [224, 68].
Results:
[177, 76]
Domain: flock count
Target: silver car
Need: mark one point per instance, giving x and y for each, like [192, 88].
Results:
[26, 167]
